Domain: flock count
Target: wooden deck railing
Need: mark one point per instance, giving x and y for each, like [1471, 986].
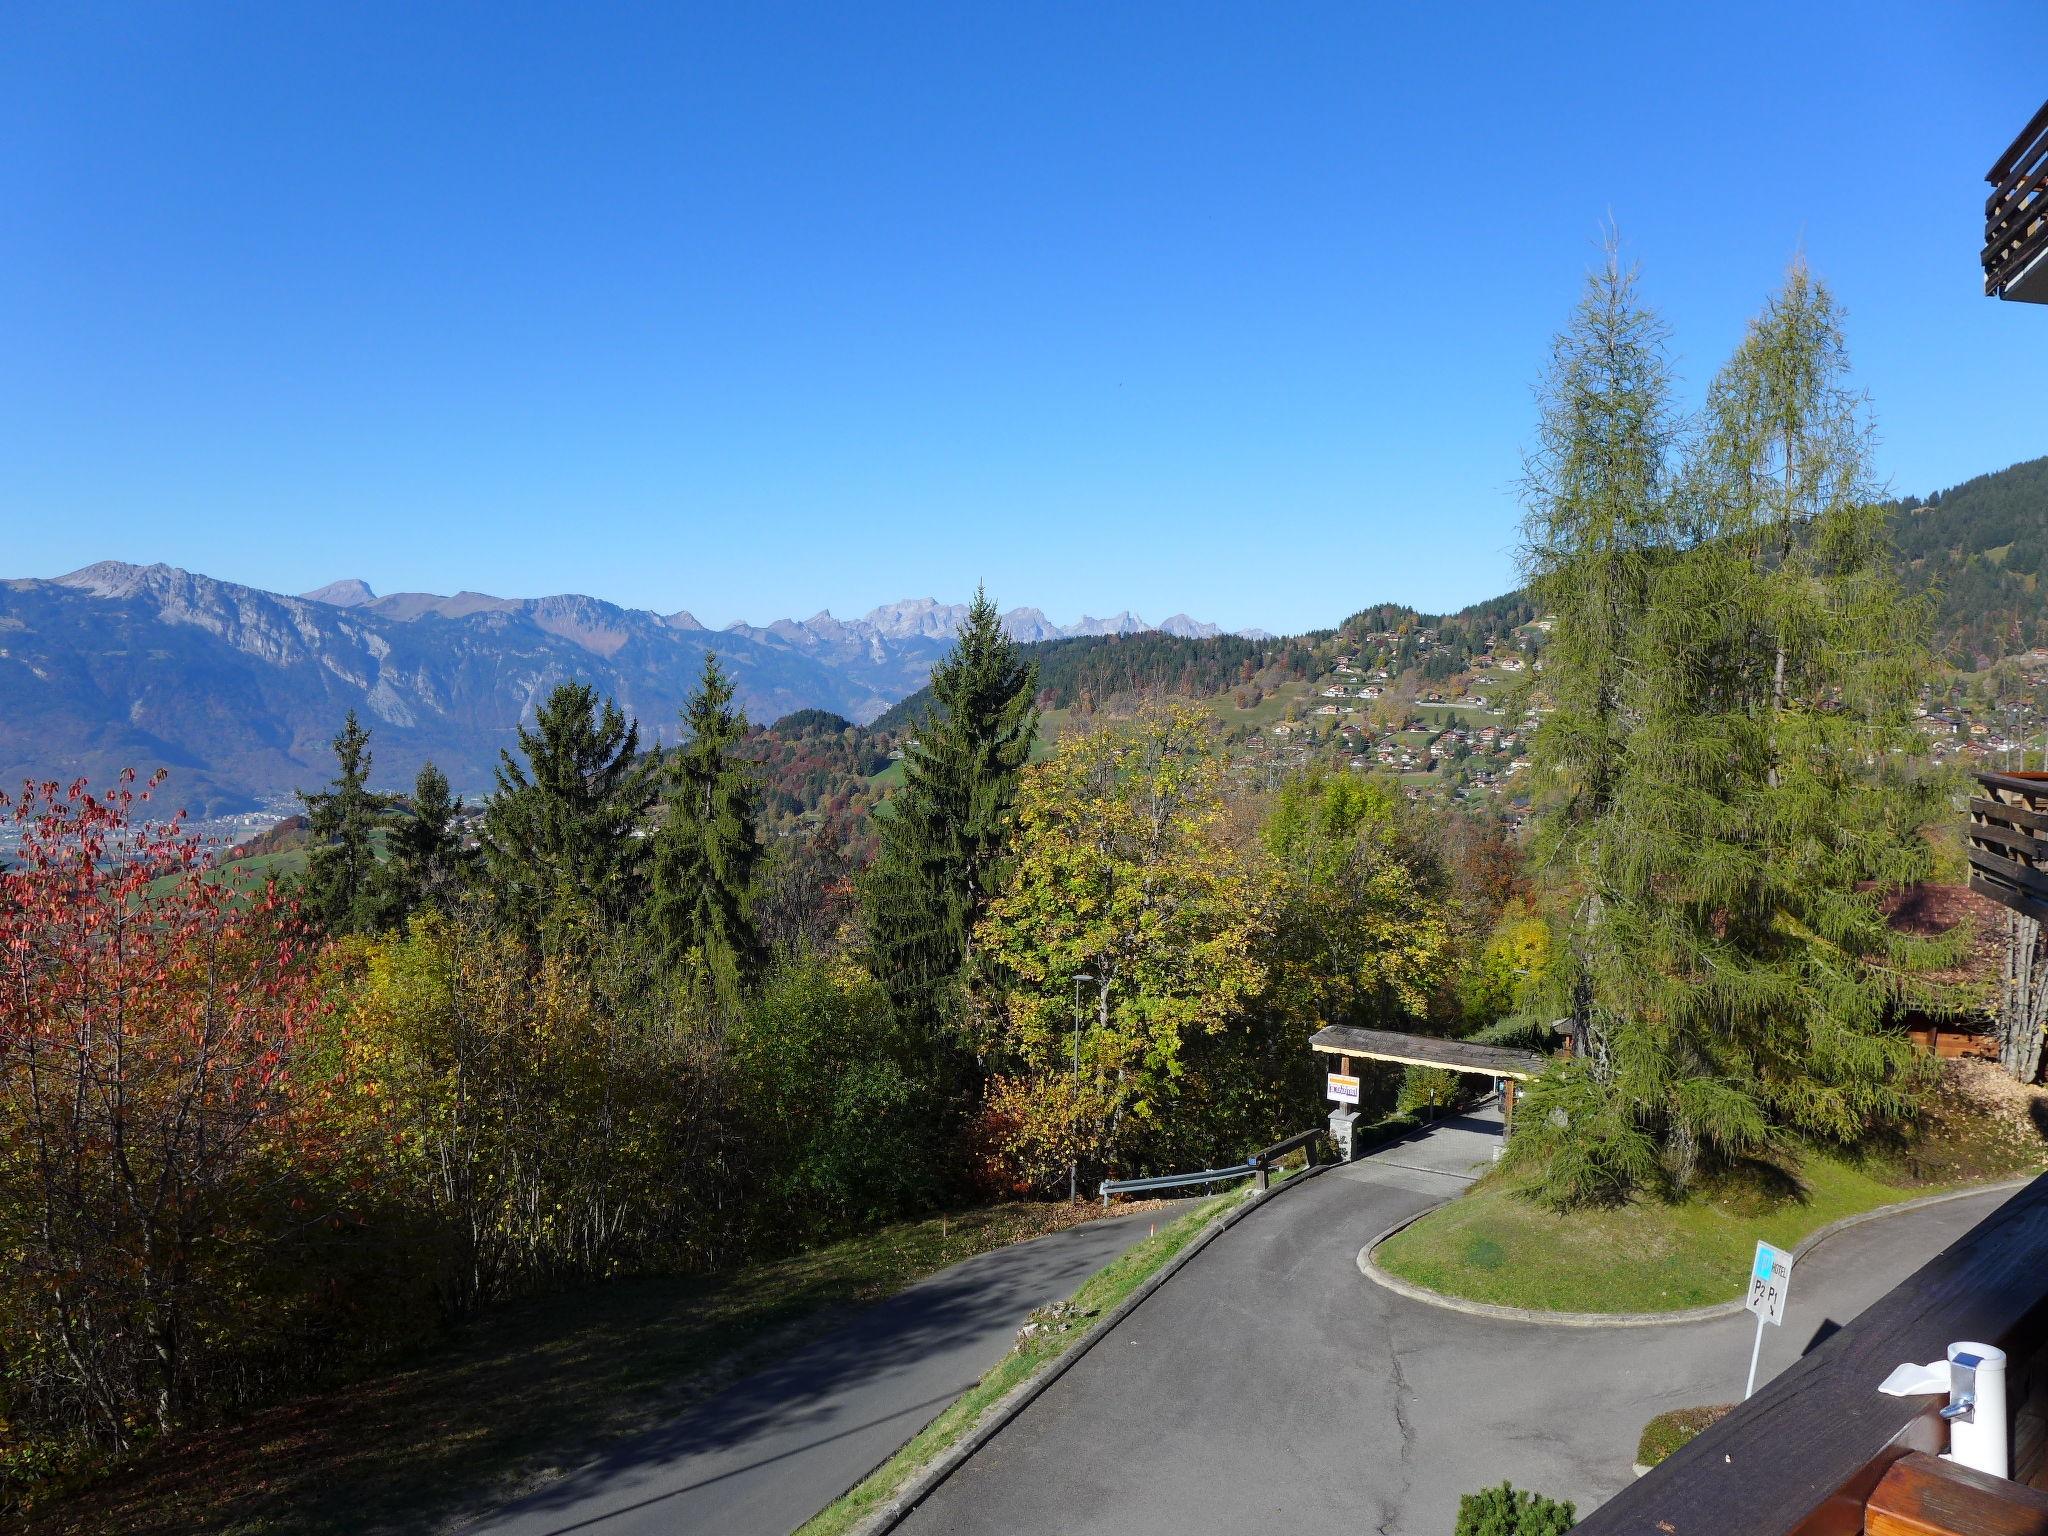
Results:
[2008, 834]
[1806, 1455]
[2016, 214]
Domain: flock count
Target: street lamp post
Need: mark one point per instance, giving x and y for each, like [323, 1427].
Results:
[1074, 1166]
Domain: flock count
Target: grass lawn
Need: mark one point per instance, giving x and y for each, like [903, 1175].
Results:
[1496, 1245]
[528, 1388]
[1065, 1324]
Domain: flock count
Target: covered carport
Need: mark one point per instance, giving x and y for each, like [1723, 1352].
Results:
[1348, 1044]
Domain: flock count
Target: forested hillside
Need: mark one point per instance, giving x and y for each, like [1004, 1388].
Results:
[1981, 546]
[1088, 670]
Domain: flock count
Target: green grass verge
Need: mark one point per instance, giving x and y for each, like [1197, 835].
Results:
[1099, 1294]
[1496, 1245]
[528, 1387]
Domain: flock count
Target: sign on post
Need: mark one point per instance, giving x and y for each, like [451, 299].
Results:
[1343, 1088]
[1770, 1279]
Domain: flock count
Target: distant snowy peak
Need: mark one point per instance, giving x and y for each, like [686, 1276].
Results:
[1029, 624]
[911, 619]
[916, 616]
[928, 618]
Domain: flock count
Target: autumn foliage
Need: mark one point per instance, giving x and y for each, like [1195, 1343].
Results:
[148, 1019]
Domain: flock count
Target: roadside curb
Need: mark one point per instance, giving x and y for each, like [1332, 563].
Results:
[888, 1516]
[1370, 1268]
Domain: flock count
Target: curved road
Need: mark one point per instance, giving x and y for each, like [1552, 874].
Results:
[770, 1451]
[1270, 1386]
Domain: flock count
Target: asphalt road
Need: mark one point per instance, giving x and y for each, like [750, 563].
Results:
[1270, 1386]
[763, 1456]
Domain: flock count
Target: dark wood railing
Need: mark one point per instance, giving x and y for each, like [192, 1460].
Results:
[2016, 215]
[1309, 1143]
[2008, 834]
[1806, 1455]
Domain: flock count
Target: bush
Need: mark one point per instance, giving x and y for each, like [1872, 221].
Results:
[1664, 1434]
[1504, 1511]
[1433, 1088]
[849, 1122]
[1380, 1132]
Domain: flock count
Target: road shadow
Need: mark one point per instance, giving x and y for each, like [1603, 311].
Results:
[895, 1363]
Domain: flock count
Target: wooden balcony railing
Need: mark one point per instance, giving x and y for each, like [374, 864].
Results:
[2016, 217]
[2008, 834]
[1821, 1452]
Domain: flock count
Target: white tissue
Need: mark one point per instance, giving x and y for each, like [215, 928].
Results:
[1915, 1380]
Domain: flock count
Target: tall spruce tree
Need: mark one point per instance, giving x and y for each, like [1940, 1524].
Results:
[1764, 803]
[943, 833]
[707, 849]
[429, 865]
[341, 888]
[563, 834]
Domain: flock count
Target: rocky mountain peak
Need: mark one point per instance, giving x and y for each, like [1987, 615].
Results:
[349, 592]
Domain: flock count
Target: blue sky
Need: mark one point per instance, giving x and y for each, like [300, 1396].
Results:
[761, 309]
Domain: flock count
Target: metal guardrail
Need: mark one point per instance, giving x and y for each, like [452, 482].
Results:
[1173, 1181]
[1258, 1166]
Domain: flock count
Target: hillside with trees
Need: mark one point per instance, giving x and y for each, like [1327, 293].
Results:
[1981, 547]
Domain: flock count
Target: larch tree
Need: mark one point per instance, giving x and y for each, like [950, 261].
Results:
[564, 833]
[1598, 489]
[1764, 802]
[943, 834]
[707, 849]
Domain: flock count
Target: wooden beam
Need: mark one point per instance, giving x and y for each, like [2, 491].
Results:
[1924, 1496]
[1427, 1051]
[2030, 785]
[2007, 896]
[2028, 139]
[2006, 840]
[2009, 813]
[2009, 871]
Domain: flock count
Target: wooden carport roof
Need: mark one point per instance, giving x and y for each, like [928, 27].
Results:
[1424, 1051]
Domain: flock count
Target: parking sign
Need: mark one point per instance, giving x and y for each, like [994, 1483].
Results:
[1770, 1277]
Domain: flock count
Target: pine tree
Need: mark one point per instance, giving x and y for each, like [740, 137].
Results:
[1763, 802]
[1509, 1511]
[943, 833]
[429, 865]
[341, 888]
[707, 849]
[562, 835]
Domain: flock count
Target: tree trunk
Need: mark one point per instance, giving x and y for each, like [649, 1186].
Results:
[2023, 997]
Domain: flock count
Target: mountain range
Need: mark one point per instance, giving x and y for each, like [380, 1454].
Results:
[239, 691]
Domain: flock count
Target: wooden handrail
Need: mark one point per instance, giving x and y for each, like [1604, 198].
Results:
[1804, 1455]
[2026, 139]
[1924, 1496]
[1265, 1157]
